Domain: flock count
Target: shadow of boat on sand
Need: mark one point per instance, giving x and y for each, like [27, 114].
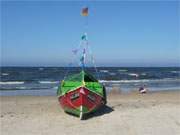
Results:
[101, 111]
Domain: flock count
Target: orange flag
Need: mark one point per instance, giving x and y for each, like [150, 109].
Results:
[84, 11]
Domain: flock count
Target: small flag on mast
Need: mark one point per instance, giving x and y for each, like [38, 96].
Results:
[84, 36]
[84, 51]
[84, 11]
[75, 51]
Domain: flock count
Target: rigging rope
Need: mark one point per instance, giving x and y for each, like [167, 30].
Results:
[84, 47]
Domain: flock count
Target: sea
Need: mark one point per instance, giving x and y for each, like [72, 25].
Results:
[44, 81]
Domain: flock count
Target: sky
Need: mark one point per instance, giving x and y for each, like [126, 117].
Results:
[132, 33]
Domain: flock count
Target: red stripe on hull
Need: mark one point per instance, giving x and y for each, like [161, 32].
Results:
[86, 98]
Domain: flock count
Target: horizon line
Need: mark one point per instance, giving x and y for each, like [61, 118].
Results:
[96, 66]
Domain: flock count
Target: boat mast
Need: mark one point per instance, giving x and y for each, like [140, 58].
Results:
[84, 40]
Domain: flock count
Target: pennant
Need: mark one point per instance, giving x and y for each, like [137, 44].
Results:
[75, 51]
[84, 51]
[82, 62]
[84, 37]
[82, 59]
[84, 11]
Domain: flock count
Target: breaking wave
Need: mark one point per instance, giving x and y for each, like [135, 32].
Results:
[4, 74]
[135, 81]
[48, 82]
[12, 82]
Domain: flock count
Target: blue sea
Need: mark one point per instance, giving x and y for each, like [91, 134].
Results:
[45, 80]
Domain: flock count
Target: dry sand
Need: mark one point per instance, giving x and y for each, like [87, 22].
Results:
[155, 113]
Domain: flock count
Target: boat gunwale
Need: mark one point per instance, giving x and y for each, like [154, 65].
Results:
[81, 87]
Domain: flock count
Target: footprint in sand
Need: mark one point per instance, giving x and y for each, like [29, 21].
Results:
[177, 123]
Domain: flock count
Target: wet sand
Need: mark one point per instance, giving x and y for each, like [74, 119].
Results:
[155, 113]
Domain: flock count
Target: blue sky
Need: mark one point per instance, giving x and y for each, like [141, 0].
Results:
[134, 33]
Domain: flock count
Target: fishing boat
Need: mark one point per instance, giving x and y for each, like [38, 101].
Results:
[81, 93]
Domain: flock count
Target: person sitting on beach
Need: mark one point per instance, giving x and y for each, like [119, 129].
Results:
[142, 90]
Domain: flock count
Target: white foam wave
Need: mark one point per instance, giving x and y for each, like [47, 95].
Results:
[104, 71]
[9, 83]
[5, 74]
[122, 70]
[112, 73]
[122, 81]
[136, 81]
[143, 74]
[21, 88]
[175, 71]
[41, 69]
[55, 87]
[133, 74]
[48, 82]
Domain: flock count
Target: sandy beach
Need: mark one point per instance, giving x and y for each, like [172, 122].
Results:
[155, 113]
